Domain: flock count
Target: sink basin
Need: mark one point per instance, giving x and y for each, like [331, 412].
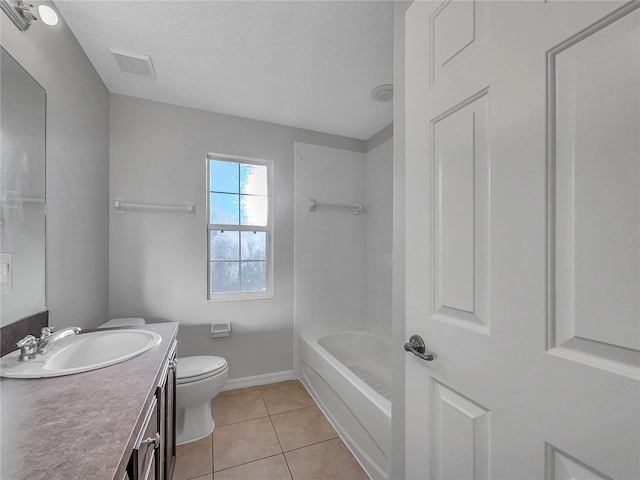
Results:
[81, 353]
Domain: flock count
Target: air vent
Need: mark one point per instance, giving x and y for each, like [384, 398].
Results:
[135, 63]
[382, 93]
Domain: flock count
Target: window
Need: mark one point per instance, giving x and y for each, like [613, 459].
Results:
[239, 234]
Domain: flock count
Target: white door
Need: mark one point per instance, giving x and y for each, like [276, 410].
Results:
[522, 239]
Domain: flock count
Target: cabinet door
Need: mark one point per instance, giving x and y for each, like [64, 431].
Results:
[144, 462]
[166, 397]
[170, 418]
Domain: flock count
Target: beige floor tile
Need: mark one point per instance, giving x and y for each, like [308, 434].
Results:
[302, 427]
[285, 398]
[205, 477]
[272, 468]
[236, 391]
[193, 459]
[237, 408]
[330, 460]
[279, 384]
[244, 442]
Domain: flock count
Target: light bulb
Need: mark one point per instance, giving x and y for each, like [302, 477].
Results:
[48, 15]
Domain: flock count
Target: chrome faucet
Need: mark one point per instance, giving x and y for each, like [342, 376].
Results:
[48, 337]
[28, 347]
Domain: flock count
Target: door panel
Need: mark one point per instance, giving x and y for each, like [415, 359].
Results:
[523, 213]
[594, 210]
[458, 29]
[460, 434]
[460, 161]
[564, 467]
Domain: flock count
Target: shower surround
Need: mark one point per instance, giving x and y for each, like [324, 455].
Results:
[343, 291]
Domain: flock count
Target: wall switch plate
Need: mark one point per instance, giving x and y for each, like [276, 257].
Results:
[6, 272]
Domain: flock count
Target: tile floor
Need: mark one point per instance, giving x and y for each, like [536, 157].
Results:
[269, 432]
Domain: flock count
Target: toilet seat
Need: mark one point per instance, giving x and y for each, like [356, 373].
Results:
[199, 367]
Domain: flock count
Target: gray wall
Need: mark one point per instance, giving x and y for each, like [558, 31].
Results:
[158, 260]
[77, 170]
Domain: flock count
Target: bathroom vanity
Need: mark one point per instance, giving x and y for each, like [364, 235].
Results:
[112, 423]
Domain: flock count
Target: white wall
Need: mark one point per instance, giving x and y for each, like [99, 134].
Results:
[77, 175]
[330, 244]
[378, 235]
[343, 261]
[158, 260]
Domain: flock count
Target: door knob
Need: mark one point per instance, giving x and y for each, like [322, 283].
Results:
[416, 346]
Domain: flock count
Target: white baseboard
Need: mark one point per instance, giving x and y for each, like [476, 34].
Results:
[258, 380]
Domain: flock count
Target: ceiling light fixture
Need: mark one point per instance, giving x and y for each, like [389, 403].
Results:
[22, 13]
[48, 15]
[382, 93]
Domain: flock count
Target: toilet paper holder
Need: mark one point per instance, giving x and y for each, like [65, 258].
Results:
[220, 330]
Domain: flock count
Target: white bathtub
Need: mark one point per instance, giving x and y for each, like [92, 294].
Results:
[349, 376]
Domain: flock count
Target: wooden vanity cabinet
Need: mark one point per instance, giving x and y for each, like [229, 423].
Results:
[166, 396]
[154, 452]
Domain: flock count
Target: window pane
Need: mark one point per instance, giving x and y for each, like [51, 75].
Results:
[224, 208]
[253, 210]
[224, 245]
[225, 277]
[253, 179]
[223, 176]
[254, 245]
[254, 276]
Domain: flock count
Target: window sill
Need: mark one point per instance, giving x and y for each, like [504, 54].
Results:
[238, 297]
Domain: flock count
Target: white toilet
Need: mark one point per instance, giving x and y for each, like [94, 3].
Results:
[199, 379]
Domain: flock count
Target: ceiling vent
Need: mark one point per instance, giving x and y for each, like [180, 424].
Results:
[135, 63]
[382, 93]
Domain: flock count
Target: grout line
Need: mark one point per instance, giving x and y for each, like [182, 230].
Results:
[241, 421]
[276, 433]
[269, 415]
[212, 443]
[247, 463]
[281, 449]
[294, 410]
[311, 445]
[286, 462]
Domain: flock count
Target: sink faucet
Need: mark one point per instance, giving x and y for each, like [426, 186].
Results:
[48, 337]
[30, 346]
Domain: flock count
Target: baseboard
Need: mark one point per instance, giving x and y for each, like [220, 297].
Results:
[258, 380]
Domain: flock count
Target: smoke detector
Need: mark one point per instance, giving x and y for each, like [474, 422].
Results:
[382, 93]
[135, 63]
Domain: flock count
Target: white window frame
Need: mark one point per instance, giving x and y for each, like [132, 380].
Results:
[231, 296]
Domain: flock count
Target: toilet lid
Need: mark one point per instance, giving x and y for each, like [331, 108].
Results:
[123, 322]
[191, 369]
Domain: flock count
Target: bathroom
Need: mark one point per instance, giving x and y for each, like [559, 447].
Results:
[366, 237]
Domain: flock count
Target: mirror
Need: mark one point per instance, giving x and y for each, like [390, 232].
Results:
[22, 195]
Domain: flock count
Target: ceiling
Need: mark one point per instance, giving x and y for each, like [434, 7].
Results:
[307, 64]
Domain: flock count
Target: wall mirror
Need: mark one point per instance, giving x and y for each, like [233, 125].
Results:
[22, 196]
